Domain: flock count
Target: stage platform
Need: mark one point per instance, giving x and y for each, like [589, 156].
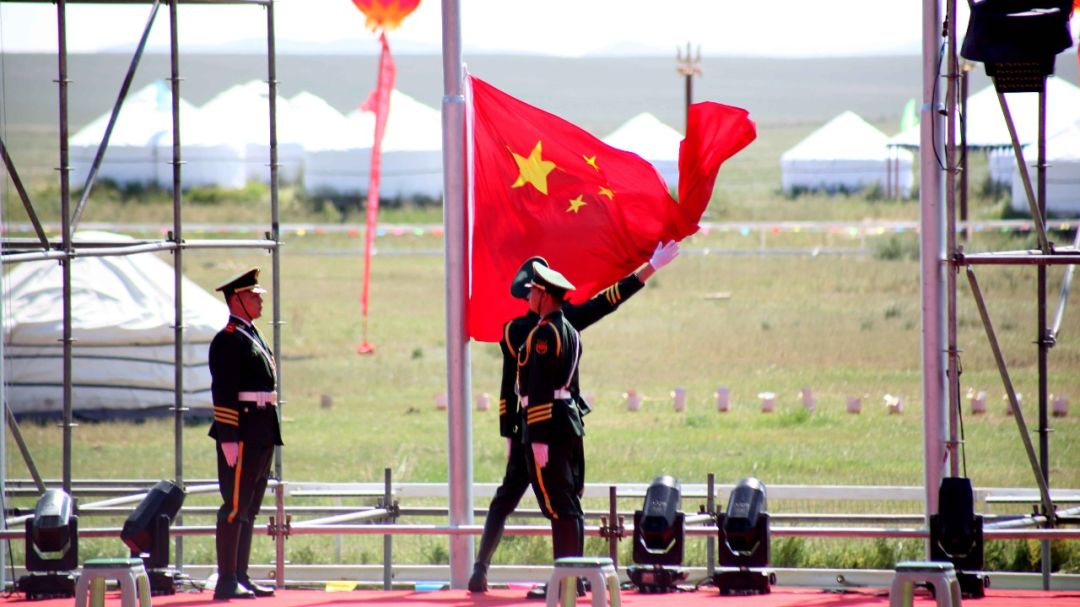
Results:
[780, 597]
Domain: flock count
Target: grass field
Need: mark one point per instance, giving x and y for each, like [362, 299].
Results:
[842, 325]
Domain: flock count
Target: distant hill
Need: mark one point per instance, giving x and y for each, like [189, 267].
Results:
[597, 93]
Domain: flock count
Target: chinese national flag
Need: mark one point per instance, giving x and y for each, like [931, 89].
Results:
[542, 186]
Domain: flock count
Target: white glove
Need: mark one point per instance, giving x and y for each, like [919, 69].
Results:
[664, 254]
[231, 451]
[540, 454]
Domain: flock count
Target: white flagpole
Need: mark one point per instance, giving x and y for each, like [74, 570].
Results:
[459, 415]
[932, 257]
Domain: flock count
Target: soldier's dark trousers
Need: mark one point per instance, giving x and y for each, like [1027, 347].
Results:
[514, 484]
[242, 488]
[558, 487]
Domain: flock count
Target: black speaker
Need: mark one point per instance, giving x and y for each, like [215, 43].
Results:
[1017, 40]
[147, 529]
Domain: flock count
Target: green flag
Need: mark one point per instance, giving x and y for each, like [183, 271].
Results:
[909, 117]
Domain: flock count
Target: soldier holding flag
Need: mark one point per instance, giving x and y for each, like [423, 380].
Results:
[516, 478]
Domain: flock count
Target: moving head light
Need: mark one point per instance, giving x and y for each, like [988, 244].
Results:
[659, 536]
[956, 535]
[146, 533]
[744, 541]
[52, 547]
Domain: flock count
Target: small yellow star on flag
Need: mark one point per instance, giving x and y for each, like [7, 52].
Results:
[576, 204]
[591, 161]
[533, 169]
[606, 191]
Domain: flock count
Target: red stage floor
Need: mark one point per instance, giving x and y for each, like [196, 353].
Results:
[780, 597]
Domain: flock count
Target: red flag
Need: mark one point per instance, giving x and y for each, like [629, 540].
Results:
[542, 186]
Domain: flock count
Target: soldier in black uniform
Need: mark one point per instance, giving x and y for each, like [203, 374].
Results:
[516, 478]
[246, 428]
[553, 429]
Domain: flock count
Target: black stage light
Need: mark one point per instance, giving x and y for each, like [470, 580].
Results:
[956, 535]
[1017, 40]
[52, 548]
[659, 535]
[146, 533]
[744, 542]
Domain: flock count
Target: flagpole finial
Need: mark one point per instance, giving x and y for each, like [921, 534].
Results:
[690, 63]
[688, 66]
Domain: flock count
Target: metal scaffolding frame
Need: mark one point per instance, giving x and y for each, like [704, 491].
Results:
[65, 250]
[941, 259]
[956, 259]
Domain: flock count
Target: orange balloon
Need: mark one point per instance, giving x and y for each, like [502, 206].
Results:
[385, 14]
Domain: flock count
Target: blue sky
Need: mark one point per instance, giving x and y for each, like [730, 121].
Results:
[783, 28]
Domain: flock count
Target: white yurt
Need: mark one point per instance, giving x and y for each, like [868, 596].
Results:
[314, 121]
[847, 154]
[654, 141]
[242, 112]
[411, 153]
[140, 145]
[985, 123]
[122, 311]
[1062, 175]
[1001, 162]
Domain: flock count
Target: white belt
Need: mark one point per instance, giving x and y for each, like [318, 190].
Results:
[560, 394]
[259, 398]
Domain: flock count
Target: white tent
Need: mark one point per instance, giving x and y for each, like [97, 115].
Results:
[1001, 162]
[313, 121]
[122, 325]
[846, 154]
[1062, 174]
[140, 146]
[243, 113]
[986, 126]
[411, 153]
[654, 141]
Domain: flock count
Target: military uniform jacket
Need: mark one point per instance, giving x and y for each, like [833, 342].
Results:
[241, 362]
[547, 377]
[516, 330]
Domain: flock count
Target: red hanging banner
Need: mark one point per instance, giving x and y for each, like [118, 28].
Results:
[381, 15]
[379, 103]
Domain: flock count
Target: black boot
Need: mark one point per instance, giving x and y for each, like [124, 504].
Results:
[540, 591]
[581, 536]
[478, 581]
[243, 557]
[567, 538]
[227, 537]
[493, 530]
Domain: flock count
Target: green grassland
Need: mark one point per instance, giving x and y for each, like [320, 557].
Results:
[842, 325]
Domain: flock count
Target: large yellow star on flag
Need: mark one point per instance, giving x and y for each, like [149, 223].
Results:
[591, 161]
[533, 169]
[576, 204]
